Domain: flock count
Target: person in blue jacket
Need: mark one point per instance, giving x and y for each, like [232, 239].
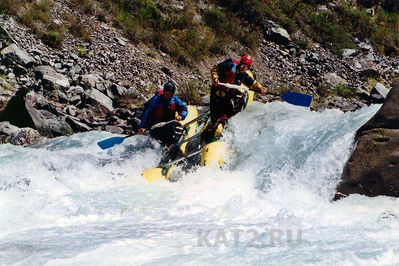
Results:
[164, 107]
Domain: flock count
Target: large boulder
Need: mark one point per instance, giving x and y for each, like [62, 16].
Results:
[22, 112]
[277, 34]
[379, 93]
[6, 88]
[12, 55]
[99, 102]
[5, 38]
[334, 80]
[18, 136]
[90, 80]
[51, 79]
[373, 168]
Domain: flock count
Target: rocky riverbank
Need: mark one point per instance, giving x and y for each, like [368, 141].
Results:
[100, 84]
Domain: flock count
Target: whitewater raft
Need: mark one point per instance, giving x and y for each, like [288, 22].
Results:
[213, 152]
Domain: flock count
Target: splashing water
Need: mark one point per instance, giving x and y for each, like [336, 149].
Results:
[66, 201]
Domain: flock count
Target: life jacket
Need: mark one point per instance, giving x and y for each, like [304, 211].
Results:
[157, 92]
[165, 113]
[229, 75]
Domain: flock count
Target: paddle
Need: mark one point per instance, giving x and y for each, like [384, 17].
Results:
[110, 142]
[192, 137]
[291, 97]
[191, 154]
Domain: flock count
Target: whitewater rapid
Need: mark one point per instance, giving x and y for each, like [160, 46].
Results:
[67, 202]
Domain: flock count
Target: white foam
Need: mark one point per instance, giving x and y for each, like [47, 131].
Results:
[77, 204]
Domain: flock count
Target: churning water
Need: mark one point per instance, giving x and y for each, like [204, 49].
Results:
[67, 202]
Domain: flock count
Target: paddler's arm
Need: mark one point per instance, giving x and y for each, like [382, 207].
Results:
[215, 76]
[253, 84]
[222, 67]
[182, 109]
[143, 124]
[257, 87]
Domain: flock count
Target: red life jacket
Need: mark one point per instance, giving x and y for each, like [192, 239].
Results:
[228, 77]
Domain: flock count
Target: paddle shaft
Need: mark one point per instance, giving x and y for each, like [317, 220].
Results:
[196, 119]
[295, 98]
[161, 124]
[110, 142]
[233, 86]
[174, 146]
[182, 158]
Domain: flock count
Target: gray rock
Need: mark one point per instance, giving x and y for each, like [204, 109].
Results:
[71, 110]
[114, 129]
[314, 58]
[77, 126]
[380, 89]
[76, 70]
[6, 88]
[8, 129]
[36, 52]
[370, 72]
[101, 103]
[20, 111]
[11, 75]
[334, 80]
[3, 70]
[101, 88]
[62, 97]
[278, 35]
[133, 92]
[12, 54]
[302, 59]
[25, 136]
[41, 70]
[76, 90]
[19, 70]
[118, 90]
[121, 41]
[55, 81]
[58, 127]
[5, 38]
[74, 56]
[90, 80]
[376, 98]
[362, 93]
[349, 108]
[348, 52]
[75, 100]
[205, 100]
[365, 47]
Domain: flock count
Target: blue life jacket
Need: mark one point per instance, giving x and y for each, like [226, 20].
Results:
[158, 109]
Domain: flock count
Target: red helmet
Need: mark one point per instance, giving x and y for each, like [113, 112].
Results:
[247, 60]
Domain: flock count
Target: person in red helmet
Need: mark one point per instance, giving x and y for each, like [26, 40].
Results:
[226, 102]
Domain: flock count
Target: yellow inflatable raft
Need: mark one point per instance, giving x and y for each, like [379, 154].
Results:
[154, 174]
